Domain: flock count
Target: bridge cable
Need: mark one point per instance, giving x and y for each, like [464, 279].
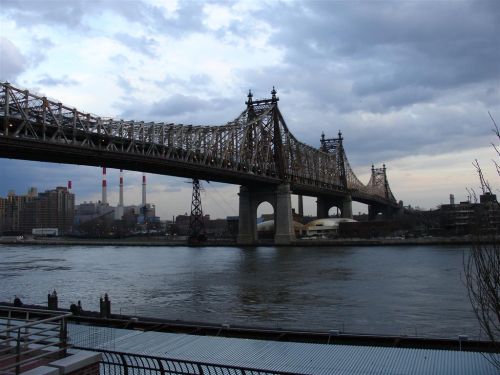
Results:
[223, 200]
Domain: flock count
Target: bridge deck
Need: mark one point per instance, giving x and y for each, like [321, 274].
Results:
[256, 148]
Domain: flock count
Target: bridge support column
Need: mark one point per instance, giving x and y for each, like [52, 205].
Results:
[247, 227]
[322, 207]
[373, 211]
[280, 198]
[284, 232]
[301, 205]
[347, 207]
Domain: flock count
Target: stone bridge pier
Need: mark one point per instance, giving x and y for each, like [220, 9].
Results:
[280, 198]
[323, 205]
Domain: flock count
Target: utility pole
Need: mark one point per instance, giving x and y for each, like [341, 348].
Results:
[196, 223]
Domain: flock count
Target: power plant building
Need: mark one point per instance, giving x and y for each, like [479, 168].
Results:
[91, 211]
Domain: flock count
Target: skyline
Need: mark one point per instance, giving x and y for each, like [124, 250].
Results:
[409, 84]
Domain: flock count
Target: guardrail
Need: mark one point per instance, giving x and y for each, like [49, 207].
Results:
[30, 337]
[119, 363]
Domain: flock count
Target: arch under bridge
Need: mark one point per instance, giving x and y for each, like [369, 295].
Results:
[256, 151]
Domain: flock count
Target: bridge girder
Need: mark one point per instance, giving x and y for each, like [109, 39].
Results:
[255, 148]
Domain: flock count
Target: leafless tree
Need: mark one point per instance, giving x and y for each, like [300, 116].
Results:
[482, 266]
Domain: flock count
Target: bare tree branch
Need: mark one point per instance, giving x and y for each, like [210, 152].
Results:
[482, 267]
[496, 131]
[471, 194]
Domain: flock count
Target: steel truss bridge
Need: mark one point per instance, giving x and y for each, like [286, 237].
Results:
[256, 148]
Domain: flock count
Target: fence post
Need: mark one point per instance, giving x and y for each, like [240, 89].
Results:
[26, 331]
[160, 366]
[18, 352]
[8, 323]
[63, 336]
[125, 365]
[27, 321]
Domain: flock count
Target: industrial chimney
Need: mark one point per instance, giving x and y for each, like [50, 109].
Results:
[119, 211]
[104, 199]
[120, 203]
[144, 189]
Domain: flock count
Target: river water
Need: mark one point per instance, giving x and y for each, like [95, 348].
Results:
[401, 290]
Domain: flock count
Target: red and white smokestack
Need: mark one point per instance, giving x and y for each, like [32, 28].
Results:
[104, 199]
[144, 189]
[120, 203]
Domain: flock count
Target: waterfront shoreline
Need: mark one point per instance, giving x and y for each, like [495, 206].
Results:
[338, 337]
[159, 241]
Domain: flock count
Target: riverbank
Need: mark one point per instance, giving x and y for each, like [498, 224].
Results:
[162, 241]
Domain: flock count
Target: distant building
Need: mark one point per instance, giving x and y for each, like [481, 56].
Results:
[147, 214]
[50, 209]
[88, 211]
[232, 225]
[328, 227]
[265, 229]
[217, 228]
[182, 223]
[370, 229]
[467, 217]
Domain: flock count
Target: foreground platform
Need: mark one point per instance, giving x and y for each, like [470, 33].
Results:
[281, 357]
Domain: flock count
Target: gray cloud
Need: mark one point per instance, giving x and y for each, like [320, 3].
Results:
[186, 109]
[40, 49]
[200, 80]
[177, 105]
[119, 60]
[141, 44]
[12, 62]
[383, 47]
[47, 80]
[23, 174]
[31, 12]
[76, 14]
[125, 84]
[196, 81]
[433, 66]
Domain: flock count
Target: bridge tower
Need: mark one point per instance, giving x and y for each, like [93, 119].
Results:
[379, 180]
[323, 204]
[7, 109]
[279, 196]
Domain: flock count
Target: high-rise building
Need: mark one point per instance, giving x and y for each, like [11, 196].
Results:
[56, 209]
[50, 209]
[13, 209]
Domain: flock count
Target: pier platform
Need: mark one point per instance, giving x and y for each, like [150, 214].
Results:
[271, 357]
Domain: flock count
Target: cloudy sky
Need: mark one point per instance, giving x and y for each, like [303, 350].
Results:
[409, 83]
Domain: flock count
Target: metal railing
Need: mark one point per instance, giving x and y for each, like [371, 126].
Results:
[29, 337]
[119, 363]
